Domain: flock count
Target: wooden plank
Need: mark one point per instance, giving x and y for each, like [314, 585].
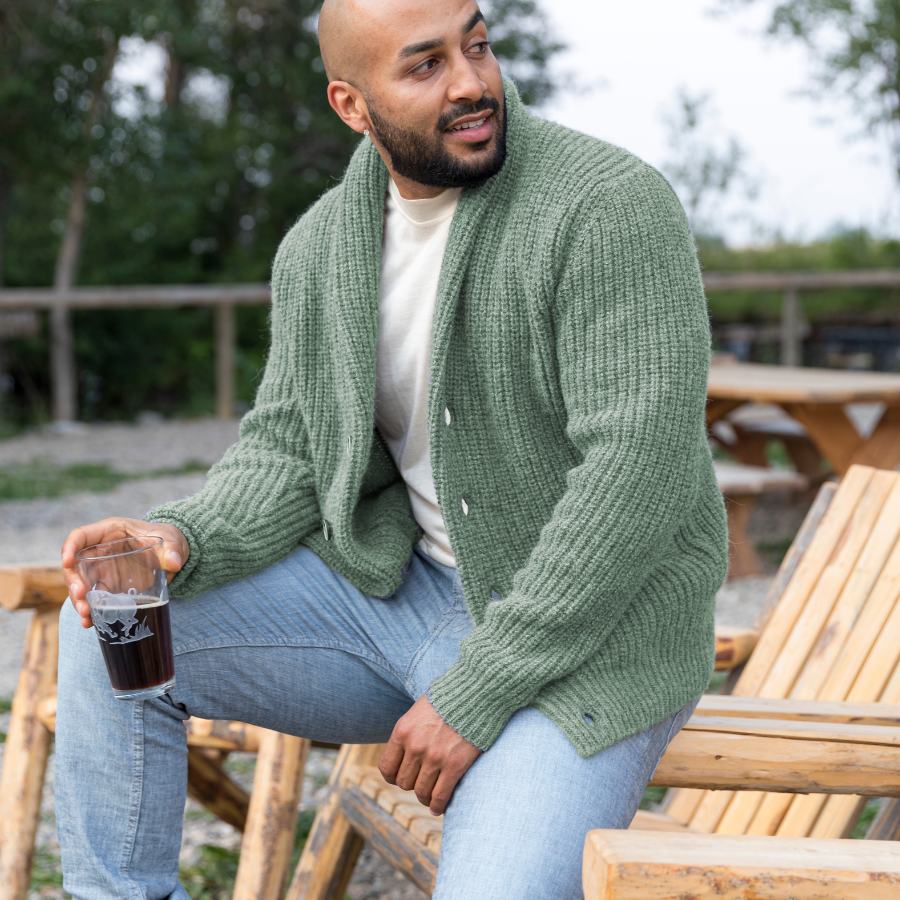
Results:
[796, 551]
[634, 865]
[758, 383]
[753, 757]
[806, 577]
[25, 755]
[795, 816]
[831, 431]
[27, 587]
[331, 851]
[683, 804]
[716, 409]
[225, 361]
[829, 540]
[135, 296]
[805, 280]
[876, 555]
[210, 786]
[645, 820]
[733, 646]
[874, 714]
[272, 817]
[393, 841]
[220, 734]
[736, 478]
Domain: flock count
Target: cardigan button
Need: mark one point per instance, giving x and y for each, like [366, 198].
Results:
[325, 529]
[446, 415]
[465, 507]
[349, 444]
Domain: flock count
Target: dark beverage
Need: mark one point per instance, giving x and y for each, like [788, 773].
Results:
[136, 640]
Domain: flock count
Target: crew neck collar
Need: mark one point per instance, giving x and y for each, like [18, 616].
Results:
[426, 212]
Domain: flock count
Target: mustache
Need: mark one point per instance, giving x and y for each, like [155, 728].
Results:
[467, 109]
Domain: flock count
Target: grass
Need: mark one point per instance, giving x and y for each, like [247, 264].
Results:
[41, 479]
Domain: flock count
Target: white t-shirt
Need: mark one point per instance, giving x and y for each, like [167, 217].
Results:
[415, 234]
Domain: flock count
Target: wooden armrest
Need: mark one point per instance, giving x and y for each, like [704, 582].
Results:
[27, 587]
[636, 865]
[733, 646]
[883, 714]
[729, 753]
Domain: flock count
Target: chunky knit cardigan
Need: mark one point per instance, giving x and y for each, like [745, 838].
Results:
[566, 402]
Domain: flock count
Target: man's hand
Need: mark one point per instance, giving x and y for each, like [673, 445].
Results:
[426, 754]
[173, 552]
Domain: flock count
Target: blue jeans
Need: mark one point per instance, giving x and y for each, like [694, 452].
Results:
[298, 649]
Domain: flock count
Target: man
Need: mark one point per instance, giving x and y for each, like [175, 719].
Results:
[472, 512]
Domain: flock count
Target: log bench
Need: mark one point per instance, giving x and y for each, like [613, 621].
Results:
[741, 485]
[267, 816]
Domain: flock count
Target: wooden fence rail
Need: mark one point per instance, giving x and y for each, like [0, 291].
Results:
[224, 298]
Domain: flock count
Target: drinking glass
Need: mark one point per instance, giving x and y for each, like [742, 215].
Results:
[126, 590]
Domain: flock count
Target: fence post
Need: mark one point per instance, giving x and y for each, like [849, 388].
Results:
[791, 344]
[62, 364]
[225, 339]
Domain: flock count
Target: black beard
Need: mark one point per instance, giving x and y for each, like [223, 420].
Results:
[424, 158]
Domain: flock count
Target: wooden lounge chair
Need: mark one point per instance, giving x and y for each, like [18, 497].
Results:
[267, 817]
[828, 632]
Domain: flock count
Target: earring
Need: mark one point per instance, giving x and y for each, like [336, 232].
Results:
[366, 132]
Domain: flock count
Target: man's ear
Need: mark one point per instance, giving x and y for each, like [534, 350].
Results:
[348, 103]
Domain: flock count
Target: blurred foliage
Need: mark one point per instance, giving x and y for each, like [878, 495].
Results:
[856, 44]
[852, 249]
[198, 185]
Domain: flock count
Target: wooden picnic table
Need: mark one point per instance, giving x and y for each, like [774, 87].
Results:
[816, 399]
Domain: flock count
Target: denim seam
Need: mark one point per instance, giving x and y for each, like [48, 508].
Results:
[448, 617]
[136, 795]
[668, 737]
[381, 662]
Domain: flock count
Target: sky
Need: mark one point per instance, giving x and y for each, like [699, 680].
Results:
[631, 58]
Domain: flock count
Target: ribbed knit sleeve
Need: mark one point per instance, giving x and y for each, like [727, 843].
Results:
[632, 345]
[259, 500]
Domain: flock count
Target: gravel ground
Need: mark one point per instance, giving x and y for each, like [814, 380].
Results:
[32, 532]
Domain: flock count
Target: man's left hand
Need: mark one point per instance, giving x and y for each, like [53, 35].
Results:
[426, 755]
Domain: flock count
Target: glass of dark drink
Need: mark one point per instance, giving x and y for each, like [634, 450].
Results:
[126, 590]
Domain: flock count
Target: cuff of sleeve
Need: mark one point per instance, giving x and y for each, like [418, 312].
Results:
[176, 586]
[473, 703]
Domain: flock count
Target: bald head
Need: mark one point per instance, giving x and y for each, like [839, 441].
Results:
[343, 45]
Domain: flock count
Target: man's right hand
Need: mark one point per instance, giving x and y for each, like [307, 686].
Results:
[173, 552]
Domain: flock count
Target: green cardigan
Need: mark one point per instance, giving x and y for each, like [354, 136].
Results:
[570, 345]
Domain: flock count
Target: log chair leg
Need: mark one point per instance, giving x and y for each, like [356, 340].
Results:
[330, 854]
[272, 817]
[25, 755]
[211, 787]
[743, 559]
[886, 824]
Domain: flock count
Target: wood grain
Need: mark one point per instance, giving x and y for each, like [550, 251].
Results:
[25, 755]
[27, 587]
[634, 865]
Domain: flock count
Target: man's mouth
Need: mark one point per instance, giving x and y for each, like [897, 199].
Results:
[473, 129]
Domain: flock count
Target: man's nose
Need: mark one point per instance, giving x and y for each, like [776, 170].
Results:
[465, 85]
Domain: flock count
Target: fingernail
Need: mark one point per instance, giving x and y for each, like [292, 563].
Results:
[175, 558]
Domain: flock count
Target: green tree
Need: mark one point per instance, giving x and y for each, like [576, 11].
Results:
[856, 45]
[198, 185]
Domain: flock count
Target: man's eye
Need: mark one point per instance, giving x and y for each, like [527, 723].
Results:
[481, 46]
[425, 66]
